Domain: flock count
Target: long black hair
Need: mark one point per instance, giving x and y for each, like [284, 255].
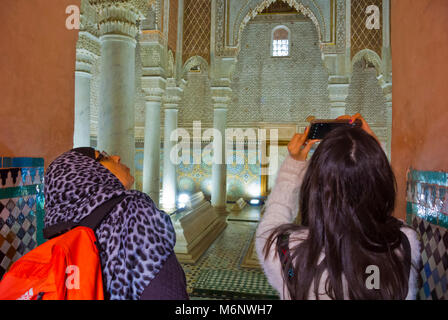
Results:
[346, 201]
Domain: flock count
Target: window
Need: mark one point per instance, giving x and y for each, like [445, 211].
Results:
[280, 42]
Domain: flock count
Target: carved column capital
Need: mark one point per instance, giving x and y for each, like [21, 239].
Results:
[88, 47]
[154, 59]
[173, 94]
[120, 16]
[153, 88]
[87, 51]
[221, 96]
[338, 91]
[89, 19]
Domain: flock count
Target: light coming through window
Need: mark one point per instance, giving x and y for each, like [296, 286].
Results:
[280, 48]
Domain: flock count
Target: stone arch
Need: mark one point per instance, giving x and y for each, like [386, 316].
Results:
[280, 26]
[368, 57]
[195, 61]
[248, 13]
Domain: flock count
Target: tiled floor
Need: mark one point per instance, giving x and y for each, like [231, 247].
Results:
[218, 273]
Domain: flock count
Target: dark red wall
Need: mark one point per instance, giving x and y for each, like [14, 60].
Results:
[420, 89]
[37, 62]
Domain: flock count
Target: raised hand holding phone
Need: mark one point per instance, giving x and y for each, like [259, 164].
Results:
[365, 126]
[299, 146]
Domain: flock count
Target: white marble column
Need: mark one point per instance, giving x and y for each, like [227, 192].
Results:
[151, 160]
[87, 52]
[169, 182]
[118, 28]
[219, 170]
[169, 168]
[154, 73]
[221, 99]
[117, 92]
[81, 136]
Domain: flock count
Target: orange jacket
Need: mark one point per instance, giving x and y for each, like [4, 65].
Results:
[65, 268]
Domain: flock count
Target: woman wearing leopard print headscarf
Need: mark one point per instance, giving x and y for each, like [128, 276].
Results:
[136, 240]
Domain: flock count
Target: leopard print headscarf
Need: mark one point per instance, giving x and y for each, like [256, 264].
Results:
[135, 238]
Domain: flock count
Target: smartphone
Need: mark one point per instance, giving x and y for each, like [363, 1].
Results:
[320, 128]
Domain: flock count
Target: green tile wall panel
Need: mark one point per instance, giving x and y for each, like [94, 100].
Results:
[8, 162]
[21, 208]
[427, 197]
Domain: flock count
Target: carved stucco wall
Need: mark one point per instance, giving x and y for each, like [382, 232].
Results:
[265, 89]
[329, 17]
[238, 10]
[196, 103]
[230, 12]
[273, 89]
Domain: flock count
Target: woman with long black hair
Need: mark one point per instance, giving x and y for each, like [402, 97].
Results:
[349, 246]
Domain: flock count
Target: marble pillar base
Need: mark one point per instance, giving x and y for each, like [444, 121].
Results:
[196, 229]
[221, 211]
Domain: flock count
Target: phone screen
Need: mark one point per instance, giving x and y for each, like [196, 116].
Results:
[319, 130]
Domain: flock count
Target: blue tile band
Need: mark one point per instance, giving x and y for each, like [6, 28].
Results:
[427, 197]
[8, 162]
[429, 177]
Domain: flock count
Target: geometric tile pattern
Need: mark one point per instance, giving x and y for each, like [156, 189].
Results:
[21, 208]
[434, 272]
[197, 29]
[361, 37]
[427, 212]
[18, 225]
[218, 273]
[278, 89]
[243, 177]
[427, 196]
[233, 284]
[196, 104]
